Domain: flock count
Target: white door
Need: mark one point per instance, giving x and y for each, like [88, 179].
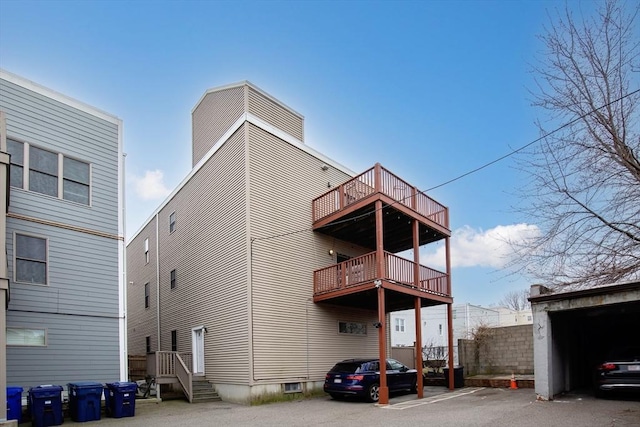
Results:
[197, 338]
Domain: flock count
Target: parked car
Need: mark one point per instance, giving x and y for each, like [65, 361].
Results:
[619, 372]
[361, 377]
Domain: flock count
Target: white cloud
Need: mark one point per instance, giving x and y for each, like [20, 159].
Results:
[477, 248]
[151, 186]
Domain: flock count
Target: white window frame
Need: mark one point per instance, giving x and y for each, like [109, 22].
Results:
[173, 279]
[15, 258]
[174, 334]
[17, 328]
[147, 295]
[146, 250]
[172, 222]
[440, 329]
[399, 324]
[60, 178]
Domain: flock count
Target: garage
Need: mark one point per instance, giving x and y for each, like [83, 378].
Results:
[573, 332]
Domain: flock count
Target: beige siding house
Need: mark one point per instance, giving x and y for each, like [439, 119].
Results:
[221, 277]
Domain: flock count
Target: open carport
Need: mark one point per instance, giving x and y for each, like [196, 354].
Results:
[573, 331]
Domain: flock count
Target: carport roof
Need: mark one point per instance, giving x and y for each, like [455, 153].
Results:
[545, 294]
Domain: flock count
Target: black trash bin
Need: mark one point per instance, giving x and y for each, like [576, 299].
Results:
[84, 400]
[120, 399]
[45, 405]
[458, 376]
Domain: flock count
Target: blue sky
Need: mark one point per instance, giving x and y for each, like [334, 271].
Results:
[430, 89]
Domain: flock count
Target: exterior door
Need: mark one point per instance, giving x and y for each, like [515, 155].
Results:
[197, 339]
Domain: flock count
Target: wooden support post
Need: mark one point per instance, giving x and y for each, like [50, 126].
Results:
[449, 312]
[382, 330]
[418, 304]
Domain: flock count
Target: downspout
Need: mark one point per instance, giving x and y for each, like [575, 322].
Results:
[158, 277]
[124, 362]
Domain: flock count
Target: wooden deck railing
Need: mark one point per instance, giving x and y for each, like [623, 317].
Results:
[185, 377]
[362, 269]
[176, 365]
[379, 179]
[166, 363]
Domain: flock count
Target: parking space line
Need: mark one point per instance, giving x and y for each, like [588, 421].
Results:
[433, 399]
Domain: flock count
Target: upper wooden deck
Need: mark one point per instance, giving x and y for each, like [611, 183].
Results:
[346, 211]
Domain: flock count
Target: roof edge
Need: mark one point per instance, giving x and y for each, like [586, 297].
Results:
[60, 97]
[612, 288]
[252, 86]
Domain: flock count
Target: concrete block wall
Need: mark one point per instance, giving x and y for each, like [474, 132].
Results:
[503, 350]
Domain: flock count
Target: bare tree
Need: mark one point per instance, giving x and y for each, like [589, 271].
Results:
[516, 300]
[584, 187]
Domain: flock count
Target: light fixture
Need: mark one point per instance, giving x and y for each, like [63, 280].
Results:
[324, 167]
[331, 252]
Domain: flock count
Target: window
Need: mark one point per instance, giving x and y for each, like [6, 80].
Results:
[146, 250]
[50, 173]
[148, 344]
[43, 171]
[146, 295]
[440, 329]
[16, 149]
[399, 324]
[174, 340]
[172, 222]
[26, 337]
[75, 184]
[292, 387]
[30, 259]
[352, 328]
[173, 279]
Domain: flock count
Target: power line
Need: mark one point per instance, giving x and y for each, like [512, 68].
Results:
[511, 153]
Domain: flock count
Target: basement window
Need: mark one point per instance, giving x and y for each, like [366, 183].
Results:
[293, 388]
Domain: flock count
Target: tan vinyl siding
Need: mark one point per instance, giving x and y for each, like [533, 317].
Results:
[208, 251]
[275, 114]
[141, 322]
[213, 116]
[292, 336]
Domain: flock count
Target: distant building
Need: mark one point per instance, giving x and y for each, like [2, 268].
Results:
[63, 238]
[466, 319]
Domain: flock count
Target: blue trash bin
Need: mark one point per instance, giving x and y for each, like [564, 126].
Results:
[120, 399]
[84, 400]
[14, 403]
[45, 405]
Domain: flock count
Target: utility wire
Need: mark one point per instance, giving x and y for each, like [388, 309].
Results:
[511, 153]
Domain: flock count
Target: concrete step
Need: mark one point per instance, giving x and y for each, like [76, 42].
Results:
[203, 391]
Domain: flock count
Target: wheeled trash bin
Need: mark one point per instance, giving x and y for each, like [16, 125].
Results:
[120, 399]
[14, 403]
[45, 405]
[458, 376]
[84, 400]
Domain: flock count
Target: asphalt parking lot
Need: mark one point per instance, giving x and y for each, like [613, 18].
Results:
[440, 407]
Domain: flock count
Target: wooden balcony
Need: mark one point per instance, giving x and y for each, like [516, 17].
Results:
[351, 283]
[346, 212]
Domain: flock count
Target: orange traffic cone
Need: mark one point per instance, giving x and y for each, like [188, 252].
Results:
[514, 384]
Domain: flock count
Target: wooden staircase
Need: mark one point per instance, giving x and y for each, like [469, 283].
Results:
[203, 391]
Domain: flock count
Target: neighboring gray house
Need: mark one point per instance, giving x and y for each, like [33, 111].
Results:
[64, 238]
[271, 262]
